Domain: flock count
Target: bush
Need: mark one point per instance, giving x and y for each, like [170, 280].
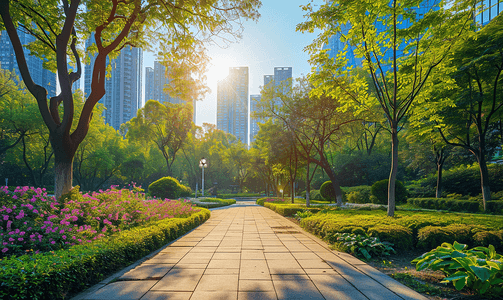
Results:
[213, 202]
[446, 204]
[261, 201]
[486, 238]
[361, 245]
[327, 191]
[398, 235]
[315, 195]
[433, 236]
[289, 210]
[380, 190]
[56, 274]
[168, 187]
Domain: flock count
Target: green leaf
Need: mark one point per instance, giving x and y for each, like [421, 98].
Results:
[458, 246]
[365, 253]
[456, 276]
[460, 284]
[481, 272]
[455, 254]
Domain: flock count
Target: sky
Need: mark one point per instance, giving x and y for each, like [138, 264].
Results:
[270, 42]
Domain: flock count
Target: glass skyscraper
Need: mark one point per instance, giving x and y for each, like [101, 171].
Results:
[123, 96]
[155, 82]
[232, 103]
[40, 76]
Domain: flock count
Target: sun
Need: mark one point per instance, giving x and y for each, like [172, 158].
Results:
[219, 67]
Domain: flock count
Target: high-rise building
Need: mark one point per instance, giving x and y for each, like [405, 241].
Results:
[489, 11]
[155, 81]
[40, 76]
[267, 79]
[232, 103]
[123, 89]
[282, 74]
[254, 128]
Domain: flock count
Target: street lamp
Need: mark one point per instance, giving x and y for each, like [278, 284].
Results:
[203, 164]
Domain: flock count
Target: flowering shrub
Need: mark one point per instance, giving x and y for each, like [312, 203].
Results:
[31, 221]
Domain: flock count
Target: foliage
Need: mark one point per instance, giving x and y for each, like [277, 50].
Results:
[380, 190]
[432, 236]
[398, 235]
[56, 274]
[479, 268]
[33, 221]
[212, 202]
[446, 204]
[303, 214]
[361, 245]
[289, 210]
[168, 188]
[329, 222]
[358, 194]
[262, 201]
[327, 191]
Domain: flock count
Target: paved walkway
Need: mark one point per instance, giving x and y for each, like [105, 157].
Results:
[250, 252]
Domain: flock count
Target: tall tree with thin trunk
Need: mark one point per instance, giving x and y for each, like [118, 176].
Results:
[177, 31]
[388, 36]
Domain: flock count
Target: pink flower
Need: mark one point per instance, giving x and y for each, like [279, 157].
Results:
[5, 250]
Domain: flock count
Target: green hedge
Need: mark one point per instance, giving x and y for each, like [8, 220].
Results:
[376, 222]
[380, 192]
[55, 275]
[231, 196]
[357, 194]
[456, 204]
[213, 202]
[261, 201]
[288, 210]
[168, 187]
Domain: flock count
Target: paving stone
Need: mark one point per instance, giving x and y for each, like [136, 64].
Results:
[292, 290]
[220, 295]
[313, 264]
[321, 272]
[218, 283]
[290, 277]
[223, 255]
[281, 255]
[147, 271]
[198, 249]
[224, 264]
[180, 280]
[283, 263]
[305, 255]
[257, 296]
[167, 296]
[221, 272]
[252, 254]
[256, 286]
[122, 290]
[286, 271]
[190, 266]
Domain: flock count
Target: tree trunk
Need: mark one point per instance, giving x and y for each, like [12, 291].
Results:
[63, 176]
[439, 181]
[484, 179]
[335, 184]
[394, 171]
[308, 187]
[292, 192]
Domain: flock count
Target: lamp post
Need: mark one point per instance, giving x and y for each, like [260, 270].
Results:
[203, 164]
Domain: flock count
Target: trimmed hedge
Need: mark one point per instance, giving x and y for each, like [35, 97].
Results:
[380, 191]
[327, 191]
[376, 222]
[399, 235]
[358, 194]
[168, 187]
[261, 201]
[288, 210]
[56, 274]
[213, 202]
[456, 204]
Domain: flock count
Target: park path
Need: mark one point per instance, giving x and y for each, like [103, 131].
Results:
[247, 251]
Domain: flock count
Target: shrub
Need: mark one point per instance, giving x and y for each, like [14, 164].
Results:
[213, 202]
[486, 238]
[495, 206]
[55, 274]
[315, 195]
[380, 190]
[478, 268]
[446, 204]
[289, 210]
[398, 235]
[327, 191]
[168, 187]
[433, 236]
[261, 201]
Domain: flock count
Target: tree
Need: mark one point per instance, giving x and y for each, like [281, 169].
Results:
[314, 121]
[180, 29]
[467, 111]
[238, 160]
[165, 124]
[390, 37]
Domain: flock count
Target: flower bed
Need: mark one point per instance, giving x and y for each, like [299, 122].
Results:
[51, 248]
[31, 221]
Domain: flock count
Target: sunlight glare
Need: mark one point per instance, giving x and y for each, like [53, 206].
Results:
[219, 67]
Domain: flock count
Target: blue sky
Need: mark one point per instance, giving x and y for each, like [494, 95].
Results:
[270, 42]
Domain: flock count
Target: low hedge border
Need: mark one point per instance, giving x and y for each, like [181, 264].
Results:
[409, 229]
[288, 210]
[262, 201]
[56, 274]
[456, 204]
[213, 202]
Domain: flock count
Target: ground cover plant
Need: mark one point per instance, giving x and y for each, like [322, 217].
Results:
[212, 202]
[55, 249]
[34, 222]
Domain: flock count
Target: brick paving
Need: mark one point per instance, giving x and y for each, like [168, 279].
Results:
[249, 252]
